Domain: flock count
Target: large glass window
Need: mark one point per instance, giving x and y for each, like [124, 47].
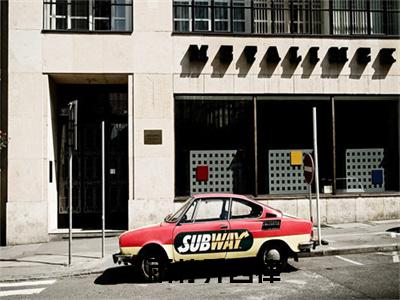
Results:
[367, 138]
[214, 145]
[88, 15]
[358, 150]
[320, 17]
[285, 131]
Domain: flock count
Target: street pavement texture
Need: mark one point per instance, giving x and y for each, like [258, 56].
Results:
[359, 276]
[38, 268]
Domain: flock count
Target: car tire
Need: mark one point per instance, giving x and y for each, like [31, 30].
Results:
[151, 266]
[273, 256]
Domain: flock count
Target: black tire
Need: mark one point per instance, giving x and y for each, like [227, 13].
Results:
[151, 266]
[273, 256]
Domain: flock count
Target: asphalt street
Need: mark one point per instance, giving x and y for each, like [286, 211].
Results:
[373, 275]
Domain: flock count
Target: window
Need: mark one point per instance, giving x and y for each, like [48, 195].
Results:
[218, 136]
[284, 127]
[222, 15]
[214, 138]
[240, 16]
[244, 209]
[367, 145]
[182, 16]
[202, 15]
[212, 210]
[88, 15]
[319, 17]
[188, 217]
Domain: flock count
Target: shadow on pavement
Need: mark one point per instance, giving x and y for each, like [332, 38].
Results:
[192, 271]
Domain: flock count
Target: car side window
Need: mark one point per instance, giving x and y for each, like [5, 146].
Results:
[244, 209]
[188, 216]
[212, 210]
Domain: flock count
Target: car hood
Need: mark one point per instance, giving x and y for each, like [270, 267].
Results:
[140, 229]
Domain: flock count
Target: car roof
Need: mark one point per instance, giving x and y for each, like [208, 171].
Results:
[227, 195]
[221, 195]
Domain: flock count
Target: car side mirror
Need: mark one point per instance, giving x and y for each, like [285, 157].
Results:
[183, 219]
[269, 215]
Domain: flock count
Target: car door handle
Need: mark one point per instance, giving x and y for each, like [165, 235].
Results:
[224, 226]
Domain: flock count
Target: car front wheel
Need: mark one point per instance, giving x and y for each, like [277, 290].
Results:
[151, 267]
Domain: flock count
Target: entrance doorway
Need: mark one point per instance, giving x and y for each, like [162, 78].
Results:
[96, 103]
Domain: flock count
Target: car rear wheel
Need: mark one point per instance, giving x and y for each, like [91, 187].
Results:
[152, 266]
[273, 257]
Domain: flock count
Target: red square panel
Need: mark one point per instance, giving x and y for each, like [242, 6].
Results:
[202, 173]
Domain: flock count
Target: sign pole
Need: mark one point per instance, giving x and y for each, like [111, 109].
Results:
[310, 197]
[72, 145]
[103, 191]
[70, 207]
[316, 172]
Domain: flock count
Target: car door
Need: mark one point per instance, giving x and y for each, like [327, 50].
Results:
[245, 221]
[202, 231]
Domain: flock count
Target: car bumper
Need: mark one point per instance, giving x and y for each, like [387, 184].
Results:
[123, 258]
[306, 246]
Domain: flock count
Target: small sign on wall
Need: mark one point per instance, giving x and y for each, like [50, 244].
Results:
[153, 137]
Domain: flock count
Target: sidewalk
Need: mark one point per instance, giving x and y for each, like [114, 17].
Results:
[352, 238]
[49, 260]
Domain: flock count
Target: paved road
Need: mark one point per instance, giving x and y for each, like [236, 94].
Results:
[374, 275]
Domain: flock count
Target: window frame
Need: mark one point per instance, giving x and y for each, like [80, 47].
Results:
[312, 25]
[49, 18]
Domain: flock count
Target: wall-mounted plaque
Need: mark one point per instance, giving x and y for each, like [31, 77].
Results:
[153, 137]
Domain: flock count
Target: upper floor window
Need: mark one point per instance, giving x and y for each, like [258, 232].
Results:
[88, 15]
[317, 17]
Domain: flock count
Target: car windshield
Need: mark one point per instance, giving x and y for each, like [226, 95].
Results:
[176, 216]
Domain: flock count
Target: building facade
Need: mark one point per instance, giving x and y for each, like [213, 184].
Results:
[197, 96]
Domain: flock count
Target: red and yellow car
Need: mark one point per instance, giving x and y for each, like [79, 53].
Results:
[216, 226]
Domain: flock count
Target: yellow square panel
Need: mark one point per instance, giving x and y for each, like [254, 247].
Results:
[296, 158]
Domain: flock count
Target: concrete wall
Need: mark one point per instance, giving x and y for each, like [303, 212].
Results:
[27, 149]
[159, 64]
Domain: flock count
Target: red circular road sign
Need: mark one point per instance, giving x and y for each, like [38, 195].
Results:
[308, 168]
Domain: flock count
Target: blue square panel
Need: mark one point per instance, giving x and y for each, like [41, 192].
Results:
[377, 177]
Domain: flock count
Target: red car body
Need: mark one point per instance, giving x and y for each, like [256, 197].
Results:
[229, 235]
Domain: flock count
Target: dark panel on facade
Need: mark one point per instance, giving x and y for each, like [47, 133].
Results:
[153, 137]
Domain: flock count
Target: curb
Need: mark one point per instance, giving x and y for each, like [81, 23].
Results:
[318, 253]
[53, 276]
[354, 250]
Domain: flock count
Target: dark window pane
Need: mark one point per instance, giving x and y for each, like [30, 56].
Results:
[79, 24]
[221, 132]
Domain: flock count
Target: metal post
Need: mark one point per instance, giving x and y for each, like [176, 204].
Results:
[70, 208]
[72, 145]
[310, 197]
[316, 172]
[103, 191]
[333, 146]
[255, 147]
